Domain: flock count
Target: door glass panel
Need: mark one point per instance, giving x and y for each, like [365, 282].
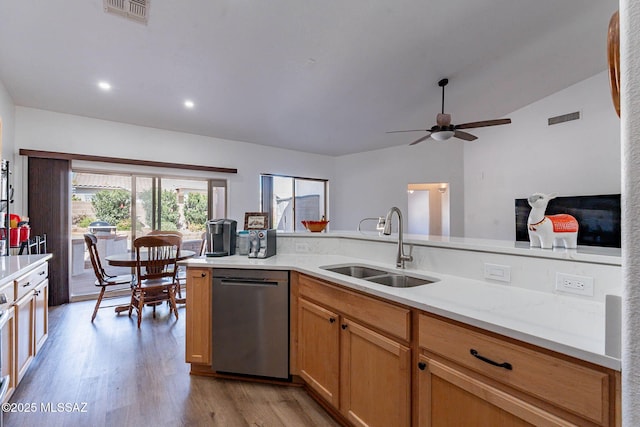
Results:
[183, 206]
[282, 203]
[144, 205]
[100, 204]
[309, 201]
[218, 199]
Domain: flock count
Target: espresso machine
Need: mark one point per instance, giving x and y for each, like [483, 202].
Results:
[221, 237]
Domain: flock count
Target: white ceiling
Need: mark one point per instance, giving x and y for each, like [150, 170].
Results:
[326, 77]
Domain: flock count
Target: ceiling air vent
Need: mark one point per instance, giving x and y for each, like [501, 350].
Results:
[564, 118]
[135, 10]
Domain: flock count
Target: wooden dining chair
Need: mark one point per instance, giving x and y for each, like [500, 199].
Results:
[182, 274]
[103, 280]
[157, 232]
[156, 269]
[194, 245]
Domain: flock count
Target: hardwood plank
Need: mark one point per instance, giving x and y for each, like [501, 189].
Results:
[108, 365]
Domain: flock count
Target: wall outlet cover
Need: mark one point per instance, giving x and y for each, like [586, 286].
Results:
[498, 272]
[573, 284]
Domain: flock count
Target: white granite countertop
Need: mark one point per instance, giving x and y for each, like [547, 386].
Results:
[12, 267]
[568, 325]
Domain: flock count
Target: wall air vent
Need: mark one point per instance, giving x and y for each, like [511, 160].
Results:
[136, 10]
[564, 118]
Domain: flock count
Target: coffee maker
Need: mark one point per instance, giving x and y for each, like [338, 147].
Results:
[221, 237]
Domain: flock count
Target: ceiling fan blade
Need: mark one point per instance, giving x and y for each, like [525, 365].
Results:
[482, 124]
[412, 130]
[464, 135]
[420, 140]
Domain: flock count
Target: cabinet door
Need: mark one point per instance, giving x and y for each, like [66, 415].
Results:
[375, 378]
[198, 316]
[25, 344]
[41, 326]
[449, 397]
[8, 352]
[319, 349]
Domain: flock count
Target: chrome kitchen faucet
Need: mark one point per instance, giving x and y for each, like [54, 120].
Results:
[400, 257]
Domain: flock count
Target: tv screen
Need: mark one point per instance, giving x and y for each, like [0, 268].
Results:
[598, 218]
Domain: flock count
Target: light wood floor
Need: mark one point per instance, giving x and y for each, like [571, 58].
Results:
[131, 377]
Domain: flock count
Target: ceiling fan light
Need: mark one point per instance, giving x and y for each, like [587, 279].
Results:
[442, 135]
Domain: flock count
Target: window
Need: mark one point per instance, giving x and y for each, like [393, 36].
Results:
[289, 200]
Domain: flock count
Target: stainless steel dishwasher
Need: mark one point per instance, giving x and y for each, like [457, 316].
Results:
[251, 322]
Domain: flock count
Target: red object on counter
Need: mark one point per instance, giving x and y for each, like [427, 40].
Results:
[18, 235]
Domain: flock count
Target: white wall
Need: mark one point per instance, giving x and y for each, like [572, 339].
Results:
[7, 114]
[581, 157]
[49, 131]
[368, 184]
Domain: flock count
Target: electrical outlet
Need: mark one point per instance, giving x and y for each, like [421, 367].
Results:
[497, 272]
[569, 283]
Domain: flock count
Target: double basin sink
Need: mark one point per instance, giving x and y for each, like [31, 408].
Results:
[382, 277]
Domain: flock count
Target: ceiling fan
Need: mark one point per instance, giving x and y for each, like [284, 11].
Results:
[444, 130]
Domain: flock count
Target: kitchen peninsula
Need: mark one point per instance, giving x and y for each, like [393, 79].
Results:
[373, 354]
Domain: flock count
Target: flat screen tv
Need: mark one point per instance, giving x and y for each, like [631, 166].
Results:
[598, 218]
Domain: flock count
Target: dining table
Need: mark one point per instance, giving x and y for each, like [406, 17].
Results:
[129, 259]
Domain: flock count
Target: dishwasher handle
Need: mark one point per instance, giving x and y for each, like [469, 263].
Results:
[232, 281]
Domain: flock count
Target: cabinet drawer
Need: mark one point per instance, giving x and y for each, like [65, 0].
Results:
[385, 317]
[30, 280]
[571, 386]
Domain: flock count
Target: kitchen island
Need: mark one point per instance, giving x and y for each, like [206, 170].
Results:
[559, 337]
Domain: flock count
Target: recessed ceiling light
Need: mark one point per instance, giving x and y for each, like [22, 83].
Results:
[104, 85]
[189, 103]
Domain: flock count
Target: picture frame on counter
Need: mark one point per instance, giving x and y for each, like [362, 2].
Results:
[256, 221]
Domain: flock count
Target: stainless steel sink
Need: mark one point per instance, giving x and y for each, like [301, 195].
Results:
[359, 271]
[381, 277]
[400, 280]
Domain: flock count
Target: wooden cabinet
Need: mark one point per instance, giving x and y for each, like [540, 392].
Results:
[358, 369]
[375, 380]
[31, 317]
[7, 332]
[198, 316]
[465, 375]
[319, 349]
[41, 319]
[448, 396]
[25, 344]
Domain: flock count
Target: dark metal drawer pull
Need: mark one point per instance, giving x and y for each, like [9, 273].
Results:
[504, 365]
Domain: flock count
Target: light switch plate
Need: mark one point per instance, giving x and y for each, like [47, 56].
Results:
[498, 272]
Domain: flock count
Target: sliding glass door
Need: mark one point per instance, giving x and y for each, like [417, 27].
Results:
[118, 208]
